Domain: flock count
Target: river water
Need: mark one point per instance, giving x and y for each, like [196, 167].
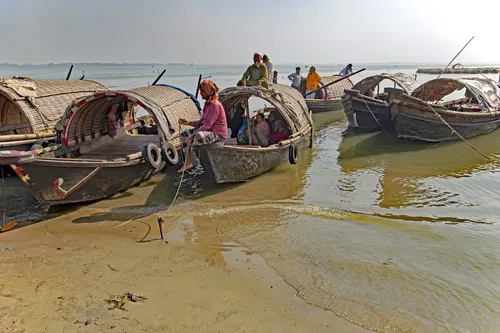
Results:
[394, 236]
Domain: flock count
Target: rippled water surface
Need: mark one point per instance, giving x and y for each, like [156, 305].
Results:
[394, 236]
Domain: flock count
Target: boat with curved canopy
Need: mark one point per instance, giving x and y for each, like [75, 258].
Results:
[329, 98]
[107, 142]
[29, 108]
[428, 113]
[369, 111]
[235, 163]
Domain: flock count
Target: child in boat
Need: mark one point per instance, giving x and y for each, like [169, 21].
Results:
[211, 128]
[260, 133]
[312, 82]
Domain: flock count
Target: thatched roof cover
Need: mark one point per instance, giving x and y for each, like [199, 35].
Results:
[43, 101]
[287, 100]
[435, 90]
[405, 81]
[87, 118]
[335, 90]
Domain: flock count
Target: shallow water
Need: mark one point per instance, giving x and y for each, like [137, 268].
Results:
[394, 236]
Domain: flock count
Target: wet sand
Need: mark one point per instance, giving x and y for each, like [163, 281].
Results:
[219, 288]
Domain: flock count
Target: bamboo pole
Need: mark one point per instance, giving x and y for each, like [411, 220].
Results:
[14, 137]
[159, 77]
[69, 73]
[470, 40]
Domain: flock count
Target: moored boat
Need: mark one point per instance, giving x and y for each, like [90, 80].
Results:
[235, 163]
[368, 111]
[426, 115]
[329, 98]
[105, 145]
[29, 108]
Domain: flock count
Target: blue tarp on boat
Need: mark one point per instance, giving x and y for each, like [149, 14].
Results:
[195, 100]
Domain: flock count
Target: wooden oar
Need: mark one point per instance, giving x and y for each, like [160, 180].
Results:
[329, 84]
[159, 77]
[69, 73]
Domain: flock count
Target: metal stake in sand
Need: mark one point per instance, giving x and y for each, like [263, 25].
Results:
[160, 225]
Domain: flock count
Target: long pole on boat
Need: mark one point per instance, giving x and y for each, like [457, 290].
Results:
[198, 87]
[470, 40]
[329, 84]
[159, 77]
[69, 73]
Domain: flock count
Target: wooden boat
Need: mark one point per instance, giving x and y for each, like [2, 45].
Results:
[104, 146]
[29, 108]
[367, 111]
[329, 98]
[422, 115]
[235, 163]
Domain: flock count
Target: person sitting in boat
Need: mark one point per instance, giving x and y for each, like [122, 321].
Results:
[260, 133]
[279, 130]
[312, 82]
[234, 124]
[256, 74]
[211, 128]
[296, 78]
[346, 70]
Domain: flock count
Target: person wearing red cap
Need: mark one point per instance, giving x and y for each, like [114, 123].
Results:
[256, 74]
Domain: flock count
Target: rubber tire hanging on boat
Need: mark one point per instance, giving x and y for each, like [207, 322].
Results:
[292, 154]
[152, 155]
[170, 154]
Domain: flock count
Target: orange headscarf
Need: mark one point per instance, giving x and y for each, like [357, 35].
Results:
[211, 89]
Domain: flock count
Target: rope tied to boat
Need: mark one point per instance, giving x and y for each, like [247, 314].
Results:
[373, 115]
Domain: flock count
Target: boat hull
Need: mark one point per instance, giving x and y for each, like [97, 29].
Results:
[230, 164]
[367, 114]
[415, 120]
[319, 105]
[54, 183]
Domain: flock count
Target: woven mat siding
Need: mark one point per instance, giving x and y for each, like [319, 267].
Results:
[53, 96]
[336, 90]
[405, 81]
[287, 100]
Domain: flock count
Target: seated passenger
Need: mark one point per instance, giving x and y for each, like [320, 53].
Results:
[260, 133]
[256, 74]
[279, 130]
[236, 121]
[211, 128]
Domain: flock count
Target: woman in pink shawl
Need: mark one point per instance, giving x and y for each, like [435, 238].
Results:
[260, 134]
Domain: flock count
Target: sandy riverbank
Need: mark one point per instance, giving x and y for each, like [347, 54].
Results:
[218, 287]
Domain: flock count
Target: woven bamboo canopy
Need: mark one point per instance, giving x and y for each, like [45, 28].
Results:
[404, 81]
[87, 118]
[482, 89]
[34, 106]
[287, 100]
[336, 90]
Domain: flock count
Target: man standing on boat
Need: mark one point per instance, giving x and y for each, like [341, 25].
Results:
[269, 66]
[256, 74]
[296, 78]
[346, 70]
[211, 128]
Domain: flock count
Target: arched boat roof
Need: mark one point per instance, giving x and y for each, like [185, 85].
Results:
[405, 81]
[287, 100]
[335, 90]
[87, 118]
[42, 102]
[435, 90]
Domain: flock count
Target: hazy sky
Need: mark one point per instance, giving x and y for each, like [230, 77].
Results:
[230, 31]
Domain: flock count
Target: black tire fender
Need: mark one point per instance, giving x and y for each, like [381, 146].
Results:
[152, 155]
[170, 154]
